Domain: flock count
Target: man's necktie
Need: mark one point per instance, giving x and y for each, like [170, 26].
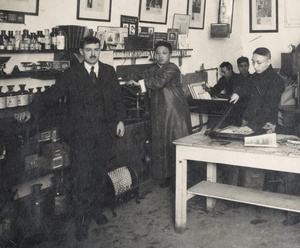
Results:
[93, 74]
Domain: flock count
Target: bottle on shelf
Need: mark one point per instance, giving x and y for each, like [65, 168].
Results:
[11, 97]
[26, 36]
[38, 91]
[11, 39]
[53, 35]
[47, 40]
[4, 38]
[31, 94]
[47, 87]
[33, 41]
[41, 39]
[60, 40]
[2, 99]
[23, 96]
[18, 38]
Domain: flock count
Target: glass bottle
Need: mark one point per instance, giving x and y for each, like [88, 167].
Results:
[11, 97]
[11, 38]
[47, 40]
[31, 94]
[33, 41]
[60, 202]
[2, 99]
[60, 40]
[41, 39]
[38, 92]
[25, 36]
[53, 35]
[4, 38]
[18, 38]
[37, 202]
[23, 96]
[47, 87]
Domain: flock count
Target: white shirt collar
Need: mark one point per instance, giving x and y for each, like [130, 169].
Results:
[88, 67]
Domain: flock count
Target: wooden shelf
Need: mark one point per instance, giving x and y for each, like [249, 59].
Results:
[44, 75]
[245, 195]
[30, 51]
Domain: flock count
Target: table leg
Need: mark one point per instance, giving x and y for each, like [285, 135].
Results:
[180, 195]
[211, 177]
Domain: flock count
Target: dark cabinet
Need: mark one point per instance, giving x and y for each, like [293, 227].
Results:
[134, 149]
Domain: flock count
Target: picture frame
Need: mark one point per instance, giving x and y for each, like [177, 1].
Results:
[291, 13]
[153, 11]
[196, 9]
[226, 12]
[182, 22]
[94, 10]
[263, 16]
[28, 7]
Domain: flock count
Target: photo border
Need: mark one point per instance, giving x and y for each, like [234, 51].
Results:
[152, 17]
[83, 14]
[28, 8]
[223, 3]
[195, 24]
[260, 28]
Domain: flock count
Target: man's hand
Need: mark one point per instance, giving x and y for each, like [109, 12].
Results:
[132, 83]
[234, 98]
[120, 129]
[23, 116]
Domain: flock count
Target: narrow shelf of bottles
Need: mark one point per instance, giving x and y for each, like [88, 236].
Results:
[43, 75]
[5, 51]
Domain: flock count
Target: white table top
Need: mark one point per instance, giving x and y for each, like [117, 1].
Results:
[283, 147]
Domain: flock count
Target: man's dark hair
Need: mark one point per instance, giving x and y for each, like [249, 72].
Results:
[227, 65]
[163, 43]
[88, 40]
[263, 52]
[242, 59]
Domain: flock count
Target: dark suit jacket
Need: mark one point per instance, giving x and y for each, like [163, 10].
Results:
[84, 101]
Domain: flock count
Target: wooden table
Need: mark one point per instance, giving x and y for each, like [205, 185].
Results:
[198, 147]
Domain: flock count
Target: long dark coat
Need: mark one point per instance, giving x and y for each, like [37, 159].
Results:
[170, 116]
[94, 110]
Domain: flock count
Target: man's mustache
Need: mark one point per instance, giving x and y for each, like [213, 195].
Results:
[93, 57]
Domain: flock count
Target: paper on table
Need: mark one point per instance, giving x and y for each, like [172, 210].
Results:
[264, 140]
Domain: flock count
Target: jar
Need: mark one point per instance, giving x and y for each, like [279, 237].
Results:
[23, 96]
[47, 87]
[60, 40]
[2, 99]
[11, 97]
[31, 95]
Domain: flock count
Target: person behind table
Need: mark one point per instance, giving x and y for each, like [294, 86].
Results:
[95, 116]
[243, 66]
[226, 84]
[264, 89]
[170, 116]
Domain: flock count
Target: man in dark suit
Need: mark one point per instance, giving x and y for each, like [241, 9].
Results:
[95, 116]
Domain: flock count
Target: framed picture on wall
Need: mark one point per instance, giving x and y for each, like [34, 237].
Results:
[226, 12]
[153, 11]
[291, 13]
[263, 16]
[182, 23]
[196, 9]
[28, 7]
[94, 10]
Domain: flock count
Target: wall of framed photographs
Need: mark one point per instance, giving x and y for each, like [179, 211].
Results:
[241, 41]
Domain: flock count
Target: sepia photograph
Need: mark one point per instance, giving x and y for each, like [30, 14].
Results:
[149, 124]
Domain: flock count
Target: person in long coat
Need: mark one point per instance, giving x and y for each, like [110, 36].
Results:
[96, 114]
[170, 116]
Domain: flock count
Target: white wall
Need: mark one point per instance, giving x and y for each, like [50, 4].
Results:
[209, 51]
